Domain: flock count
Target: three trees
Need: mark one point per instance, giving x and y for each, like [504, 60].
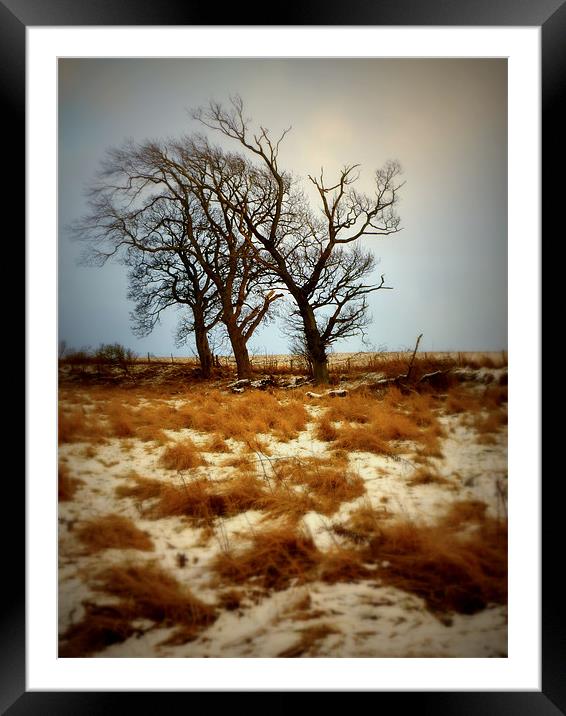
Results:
[227, 233]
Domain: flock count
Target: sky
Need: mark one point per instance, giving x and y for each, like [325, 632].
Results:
[444, 120]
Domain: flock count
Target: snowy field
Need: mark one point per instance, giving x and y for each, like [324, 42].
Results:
[195, 521]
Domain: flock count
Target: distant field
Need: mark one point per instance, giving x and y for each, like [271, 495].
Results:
[345, 361]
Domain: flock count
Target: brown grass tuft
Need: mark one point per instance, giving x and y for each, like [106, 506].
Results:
[244, 417]
[67, 486]
[293, 487]
[143, 592]
[242, 463]
[287, 502]
[216, 443]
[367, 422]
[274, 560]
[343, 565]
[204, 500]
[363, 523]
[181, 456]
[112, 532]
[490, 423]
[328, 483]
[464, 513]
[309, 642]
[426, 476]
[141, 488]
[75, 425]
[458, 564]
[466, 399]
[451, 572]
[326, 430]
[486, 439]
[230, 599]
[363, 439]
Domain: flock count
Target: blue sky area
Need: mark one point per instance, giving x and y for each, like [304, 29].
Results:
[444, 120]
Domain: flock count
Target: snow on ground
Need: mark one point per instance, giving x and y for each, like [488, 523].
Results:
[364, 619]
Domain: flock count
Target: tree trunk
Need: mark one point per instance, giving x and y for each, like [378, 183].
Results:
[315, 346]
[203, 349]
[239, 347]
[320, 371]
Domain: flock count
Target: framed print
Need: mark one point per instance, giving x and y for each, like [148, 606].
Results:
[39, 46]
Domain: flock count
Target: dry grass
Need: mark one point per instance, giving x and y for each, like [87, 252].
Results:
[466, 399]
[244, 417]
[328, 483]
[309, 642]
[230, 599]
[275, 559]
[363, 522]
[343, 564]
[145, 416]
[326, 429]
[67, 485]
[286, 502]
[486, 439]
[174, 377]
[146, 422]
[76, 425]
[426, 476]
[204, 500]
[112, 532]
[367, 422]
[364, 439]
[140, 488]
[216, 443]
[490, 423]
[458, 564]
[182, 456]
[243, 463]
[296, 488]
[450, 572]
[463, 400]
[142, 592]
[464, 513]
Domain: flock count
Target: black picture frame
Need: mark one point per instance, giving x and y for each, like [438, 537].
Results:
[15, 16]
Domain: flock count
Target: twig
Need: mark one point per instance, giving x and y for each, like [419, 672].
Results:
[413, 357]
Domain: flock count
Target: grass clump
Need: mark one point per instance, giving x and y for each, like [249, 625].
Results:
[275, 558]
[140, 592]
[140, 488]
[67, 485]
[181, 456]
[112, 532]
[328, 483]
[310, 641]
[365, 421]
[76, 425]
[458, 564]
[204, 500]
[426, 476]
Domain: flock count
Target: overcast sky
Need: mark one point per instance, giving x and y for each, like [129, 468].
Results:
[444, 120]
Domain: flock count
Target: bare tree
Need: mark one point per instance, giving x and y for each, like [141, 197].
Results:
[250, 228]
[305, 252]
[338, 301]
[180, 247]
[159, 281]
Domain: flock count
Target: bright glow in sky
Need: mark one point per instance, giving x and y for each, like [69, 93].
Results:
[444, 120]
